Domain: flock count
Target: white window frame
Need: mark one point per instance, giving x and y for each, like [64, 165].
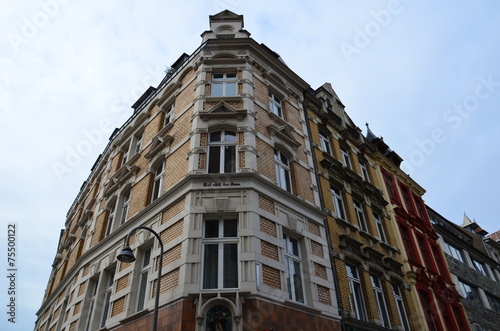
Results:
[222, 147]
[473, 289]
[338, 203]
[283, 171]
[226, 82]
[111, 219]
[325, 144]
[360, 215]
[221, 241]
[107, 298]
[479, 267]
[380, 227]
[275, 104]
[403, 316]
[143, 287]
[169, 112]
[293, 261]
[346, 158]
[125, 153]
[383, 312]
[364, 171]
[454, 252]
[125, 206]
[356, 299]
[158, 181]
[93, 298]
[138, 142]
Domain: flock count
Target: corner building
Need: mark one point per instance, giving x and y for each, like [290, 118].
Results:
[217, 160]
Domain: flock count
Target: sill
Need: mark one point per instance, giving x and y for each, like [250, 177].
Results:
[275, 117]
[223, 98]
[346, 224]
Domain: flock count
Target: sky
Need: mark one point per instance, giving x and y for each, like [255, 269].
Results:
[424, 75]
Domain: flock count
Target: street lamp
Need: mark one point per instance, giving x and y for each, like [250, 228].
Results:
[126, 255]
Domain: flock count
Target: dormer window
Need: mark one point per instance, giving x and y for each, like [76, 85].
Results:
[224, 85]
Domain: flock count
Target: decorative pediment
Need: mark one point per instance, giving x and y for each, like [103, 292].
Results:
[283, 133]
[124, 173]
[158, 143]
[223, 110]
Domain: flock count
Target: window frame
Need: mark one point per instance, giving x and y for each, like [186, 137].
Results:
[107, 298]
[359, 210]
[326, 145]
[378, 291]
[125, 206]
[168, 113]
[138, 142]
[158, 181]
[283, 171]
[356, 298]
[224, 147]
[221, 241]
[454, 252]
[224, 81]
[346, 157]
[466, 288]
[364, 170]
[479, 267]
[380, 227]
[142, 292]
[93, 286]
[293, 260]
[276, 104]
[400, 304]
[110, 219]
[338, 203]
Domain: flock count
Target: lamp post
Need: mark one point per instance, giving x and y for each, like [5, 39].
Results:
[126, 255]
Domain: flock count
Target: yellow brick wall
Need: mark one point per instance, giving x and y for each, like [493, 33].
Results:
[265, 161]
[122, 283]
[77, 308]
[72, 326]
[320, 270]
[268, 226]
[314, 228]
[317, 249]
[172, 232]
[324, 295]
[302, 179]
[140, 196]
[170, 255]
[173, 210]
[81, 288]
[118, 306]
[100, 228]
[168, 282]
[269, 250]
[176, 166]
[266, 204]
[271, 276]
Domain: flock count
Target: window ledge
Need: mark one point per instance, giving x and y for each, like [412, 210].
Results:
[223, 98]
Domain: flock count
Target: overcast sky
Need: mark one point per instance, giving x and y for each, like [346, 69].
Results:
[425, 76]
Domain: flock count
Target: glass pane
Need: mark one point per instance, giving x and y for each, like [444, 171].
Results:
[212, 229]
[352, 272]
[218, 76]
[286, 175]
[215, 136]
[230, 265]
[229, 159]
[288, 282]
[231, 75]
[217, 89]
[147, 257]
[214, 159]
[142, 291]
[294, 247]
[230, 89]
[297, 282]
[230, 228]
[210, 266]
[230, 136]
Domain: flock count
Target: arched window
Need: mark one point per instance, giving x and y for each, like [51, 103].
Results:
[283, 175]
[219, 318]
[222, 152]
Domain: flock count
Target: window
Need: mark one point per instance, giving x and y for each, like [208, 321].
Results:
[169, 112]
[420, 206]
[275, 105]
[401, 307]
[346, 159]
[364, 171]
[389, 183]
[454, 252]
[224, 85]
[468, 291]
[338, 203]
[325, 143]
[293, 269]
[107, 297]
[356, 300]
[93, 298]
[479, 267]
[405, 235]
[494, 302]
[283, 171]
[158, 181]
[360, 215]
[143, 279]
[219, 318]
[222, 152]
[111, 217]
[407, 199]
[126, 203]
[125, 151]
[381, 305]
[138, 142]
[380, 227]
[220, 254]
[424, 248]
